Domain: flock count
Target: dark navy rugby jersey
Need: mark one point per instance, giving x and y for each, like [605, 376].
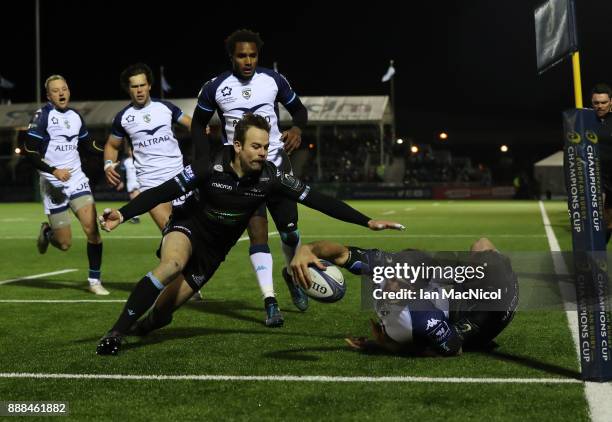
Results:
[223, 203]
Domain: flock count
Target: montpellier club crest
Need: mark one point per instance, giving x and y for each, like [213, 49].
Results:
[246, 93]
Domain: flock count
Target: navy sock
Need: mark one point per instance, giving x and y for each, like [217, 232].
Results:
[142, 298]
[94, 255]
[154, 320]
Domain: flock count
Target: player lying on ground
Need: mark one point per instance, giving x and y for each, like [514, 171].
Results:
[201, 232]
[424, 327]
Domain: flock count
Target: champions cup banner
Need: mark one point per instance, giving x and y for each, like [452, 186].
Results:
[585, 205]
[583, 180]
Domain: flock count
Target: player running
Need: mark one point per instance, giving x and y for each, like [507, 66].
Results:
[146, 123]
[51, 146]
[249, 88]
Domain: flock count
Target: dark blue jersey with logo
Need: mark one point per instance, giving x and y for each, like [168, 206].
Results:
[222, 203]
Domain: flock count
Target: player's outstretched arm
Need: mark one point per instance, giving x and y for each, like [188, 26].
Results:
[343, 211]
[110, 219]
[291, 187]
[384, 224]
[151, 198]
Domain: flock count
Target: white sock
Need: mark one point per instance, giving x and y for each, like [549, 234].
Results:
[94, 281]
[262, 265]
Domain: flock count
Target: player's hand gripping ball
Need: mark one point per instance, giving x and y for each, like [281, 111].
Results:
[327, 285]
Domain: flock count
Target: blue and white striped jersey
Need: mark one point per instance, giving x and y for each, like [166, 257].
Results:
[59, 132]
[149, 131]
[405, 324]
[232, 97]
[419, 321]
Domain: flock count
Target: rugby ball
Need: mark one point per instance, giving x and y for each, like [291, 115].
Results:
[327, 285]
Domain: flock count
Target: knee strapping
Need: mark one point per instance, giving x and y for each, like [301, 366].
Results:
[290, 238]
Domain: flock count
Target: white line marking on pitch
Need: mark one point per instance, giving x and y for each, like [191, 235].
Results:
[389, 212]
[85, 300]
[409, 209]
[473, 235]
[111, 237]
[62, 300]
[242, 239]
[297, 378]
[597, 394]
[30, 277]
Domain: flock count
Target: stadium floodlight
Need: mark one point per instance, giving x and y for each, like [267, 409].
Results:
[443, 136]
[399, 141]
[17, 151]
[414, 149]
[504, 148]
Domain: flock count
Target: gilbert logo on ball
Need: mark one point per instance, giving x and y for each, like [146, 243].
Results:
[327, 285]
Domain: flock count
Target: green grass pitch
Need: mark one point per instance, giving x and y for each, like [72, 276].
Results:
[225, 335]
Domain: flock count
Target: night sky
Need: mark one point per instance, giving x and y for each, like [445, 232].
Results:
[467, 66]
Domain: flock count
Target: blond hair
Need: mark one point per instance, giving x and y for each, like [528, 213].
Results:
[53, 78]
